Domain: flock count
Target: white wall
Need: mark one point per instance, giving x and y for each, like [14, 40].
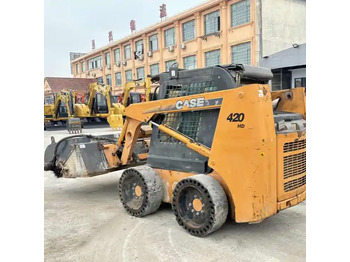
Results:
[297, 73]
[283, 24]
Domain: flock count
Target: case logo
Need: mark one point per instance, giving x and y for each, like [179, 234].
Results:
[194, 102]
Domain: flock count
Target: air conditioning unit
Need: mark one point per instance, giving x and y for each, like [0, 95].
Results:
[124, 63]
[171, 48]
[117, 64]
[88, 73]
[108, 66]
[140, 57]
[149, 53]
[183, 45]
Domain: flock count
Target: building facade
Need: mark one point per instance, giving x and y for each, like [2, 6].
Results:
[216, 32]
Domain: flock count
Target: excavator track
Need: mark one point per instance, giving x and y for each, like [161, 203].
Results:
[140, 191]
[200, 205]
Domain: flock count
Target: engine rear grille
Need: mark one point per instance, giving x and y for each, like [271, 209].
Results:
[293, 146]
[294, 184]
[294, 165]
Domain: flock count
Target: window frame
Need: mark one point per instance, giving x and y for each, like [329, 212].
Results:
[108, 61]
[194, 30]
[137, 72]
[250, 53]
[116, 79]
[165, 37]
[218, 26]
[150, 68]
[211, 51]
[115, 56]
[126, 79]
[151, 42]
[109, 80]
[129, 47]
[187, 57]
[231, 12]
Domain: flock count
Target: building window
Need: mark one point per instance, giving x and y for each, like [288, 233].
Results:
[83, 67]
[240, 13]
[140, 73]
[241, 54]
[108, 80]
[118, 79]
[212, 58]
[77, 68]
[169, 37]
[188, 31]
[127, 52]
[100, 80]
[300, 82]
[128, 75]
[95, 63]
[212, 22]
[153, 42]
[154, 69]
[108, 58]
[117, 55]
[190, 62]
[168, 64]
[139, 46]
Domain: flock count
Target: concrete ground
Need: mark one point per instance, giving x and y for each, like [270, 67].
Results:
[84, 221]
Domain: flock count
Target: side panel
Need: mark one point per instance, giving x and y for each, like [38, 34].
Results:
[244, 152]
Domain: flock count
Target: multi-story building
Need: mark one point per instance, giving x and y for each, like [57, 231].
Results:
[216, 32]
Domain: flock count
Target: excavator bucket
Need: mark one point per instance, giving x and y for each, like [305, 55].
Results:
[74, 125]
[115, 121]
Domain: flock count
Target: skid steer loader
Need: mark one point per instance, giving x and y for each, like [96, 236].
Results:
[220, 147]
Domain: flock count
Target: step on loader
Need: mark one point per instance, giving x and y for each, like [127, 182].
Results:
[221, 145]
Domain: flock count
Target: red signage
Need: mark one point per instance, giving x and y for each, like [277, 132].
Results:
[110, 36]
[162, 10]
[132, 25]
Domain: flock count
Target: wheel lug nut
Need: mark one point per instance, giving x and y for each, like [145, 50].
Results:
[189, 204]
[197, 213]
[192, 210]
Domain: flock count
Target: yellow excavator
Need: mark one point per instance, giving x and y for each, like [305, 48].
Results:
[118, 109]
[62, 108]
[222, 146]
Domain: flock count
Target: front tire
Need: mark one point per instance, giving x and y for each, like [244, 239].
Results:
[200, 204]
[140, 191]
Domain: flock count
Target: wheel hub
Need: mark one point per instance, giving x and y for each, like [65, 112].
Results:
[197, 204]
[138, 191]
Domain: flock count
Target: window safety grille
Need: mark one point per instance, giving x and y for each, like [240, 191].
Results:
[187, 123]
[190, 89]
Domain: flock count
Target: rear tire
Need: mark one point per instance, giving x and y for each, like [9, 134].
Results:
[140, 191]
[200, 205]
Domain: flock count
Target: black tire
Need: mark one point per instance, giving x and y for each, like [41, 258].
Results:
[200, 205]
[140, 191]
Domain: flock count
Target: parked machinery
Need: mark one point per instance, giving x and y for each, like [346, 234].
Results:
[127, 98]
[61, 110]
[218, 148]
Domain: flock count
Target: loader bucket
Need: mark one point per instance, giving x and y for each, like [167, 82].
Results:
[74, 125]
[115, 121]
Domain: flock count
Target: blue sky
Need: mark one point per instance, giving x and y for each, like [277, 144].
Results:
[70, 25]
